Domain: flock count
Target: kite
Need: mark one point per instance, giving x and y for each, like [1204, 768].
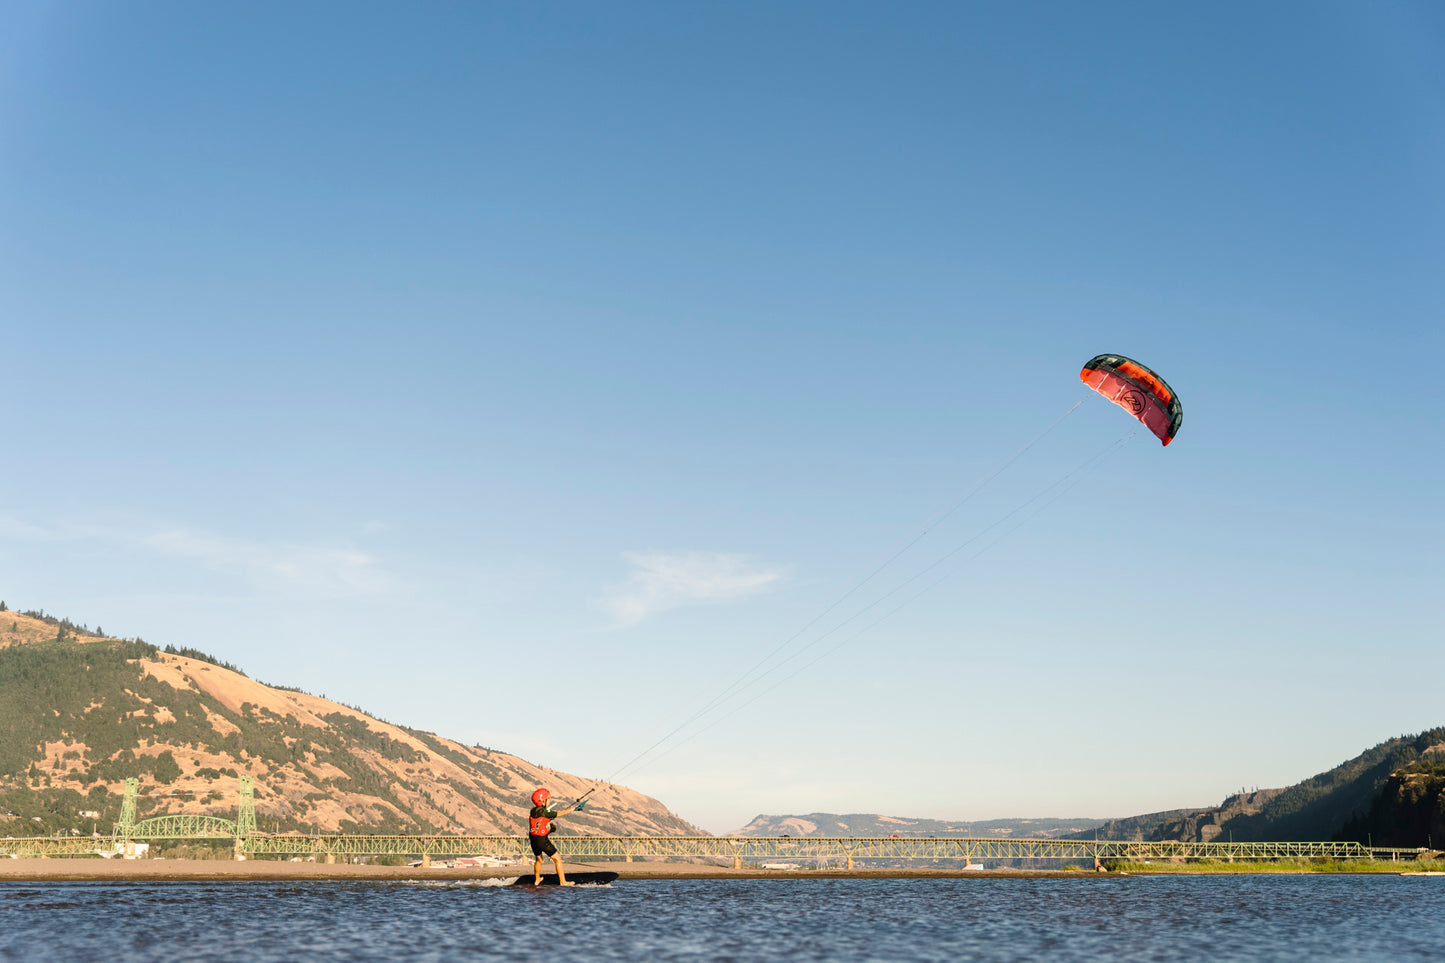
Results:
[1137, 390]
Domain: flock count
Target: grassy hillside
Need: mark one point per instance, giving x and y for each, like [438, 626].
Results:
[36, 626]
[80, 713]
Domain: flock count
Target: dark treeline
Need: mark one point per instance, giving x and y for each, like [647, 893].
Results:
[200, 656]
[64, 627]
[68, 629]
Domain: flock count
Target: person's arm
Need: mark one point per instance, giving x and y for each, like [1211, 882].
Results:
[574, 809]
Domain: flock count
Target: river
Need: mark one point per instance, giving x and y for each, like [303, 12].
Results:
[1263, 917]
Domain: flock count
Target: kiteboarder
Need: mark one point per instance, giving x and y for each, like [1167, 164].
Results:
[539, 829]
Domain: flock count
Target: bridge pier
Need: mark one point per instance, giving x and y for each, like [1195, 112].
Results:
[426, 860]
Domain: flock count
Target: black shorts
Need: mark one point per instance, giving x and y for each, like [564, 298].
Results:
[542, 845]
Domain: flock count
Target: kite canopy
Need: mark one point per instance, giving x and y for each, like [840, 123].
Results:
[1137, 390]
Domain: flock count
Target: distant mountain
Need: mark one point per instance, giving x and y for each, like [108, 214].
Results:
[80, 712]
[867, 824]
[1392, 794]
[1385, 793]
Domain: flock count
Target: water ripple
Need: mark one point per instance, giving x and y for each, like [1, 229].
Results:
[1250, 918]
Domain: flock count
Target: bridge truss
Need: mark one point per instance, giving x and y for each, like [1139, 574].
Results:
[849, 851]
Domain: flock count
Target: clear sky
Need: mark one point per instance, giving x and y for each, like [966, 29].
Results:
[526, 372]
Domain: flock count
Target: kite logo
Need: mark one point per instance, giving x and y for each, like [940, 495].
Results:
[1133, 399]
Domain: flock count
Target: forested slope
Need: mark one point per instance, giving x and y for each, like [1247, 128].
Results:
[1335, 804]
[79, 713]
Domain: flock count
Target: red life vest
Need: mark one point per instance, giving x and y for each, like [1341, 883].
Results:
[539, 825]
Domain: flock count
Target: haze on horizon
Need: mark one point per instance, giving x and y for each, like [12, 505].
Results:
[525, 372]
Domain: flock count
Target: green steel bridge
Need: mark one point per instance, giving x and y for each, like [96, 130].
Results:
[248, 843]
[849, 851]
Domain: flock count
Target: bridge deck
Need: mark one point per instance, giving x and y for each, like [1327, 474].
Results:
[734, 849]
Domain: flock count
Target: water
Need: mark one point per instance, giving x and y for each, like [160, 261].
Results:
[1135, 918]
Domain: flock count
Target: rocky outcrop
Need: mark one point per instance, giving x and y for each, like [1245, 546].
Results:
[1409, 811]
[1211, 825]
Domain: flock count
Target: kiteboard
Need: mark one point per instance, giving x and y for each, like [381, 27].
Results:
[581, 879]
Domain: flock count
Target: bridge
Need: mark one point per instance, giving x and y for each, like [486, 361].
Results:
[248, 843]
[846, 851]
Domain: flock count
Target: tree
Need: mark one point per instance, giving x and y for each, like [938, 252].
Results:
[166, 769]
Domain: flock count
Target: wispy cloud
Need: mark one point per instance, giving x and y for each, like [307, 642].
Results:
[11, 527]
[670, 580]
[314, 567]
[297, 566]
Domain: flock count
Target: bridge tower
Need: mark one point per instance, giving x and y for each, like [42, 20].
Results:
[126, 826]
[245, 815]
[246, 808]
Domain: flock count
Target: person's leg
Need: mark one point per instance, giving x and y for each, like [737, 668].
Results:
[561, 876]
[537, 870]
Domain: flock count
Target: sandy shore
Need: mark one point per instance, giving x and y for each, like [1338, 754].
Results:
[200, 869]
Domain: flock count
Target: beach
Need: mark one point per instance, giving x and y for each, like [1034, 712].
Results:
[211, 870]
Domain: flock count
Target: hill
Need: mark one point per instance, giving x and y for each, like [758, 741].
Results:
[1135, 828]
[865, 824]
[80, 712]
[1409, 808]
[1385, 793]
[37, 626]
[1392, 795]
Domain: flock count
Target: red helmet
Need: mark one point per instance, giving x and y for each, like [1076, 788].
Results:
[540, 797]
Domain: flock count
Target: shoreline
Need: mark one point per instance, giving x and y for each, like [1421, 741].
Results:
[202, 870]
[208, 870]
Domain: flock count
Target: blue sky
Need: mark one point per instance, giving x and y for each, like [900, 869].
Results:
[527, 372]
